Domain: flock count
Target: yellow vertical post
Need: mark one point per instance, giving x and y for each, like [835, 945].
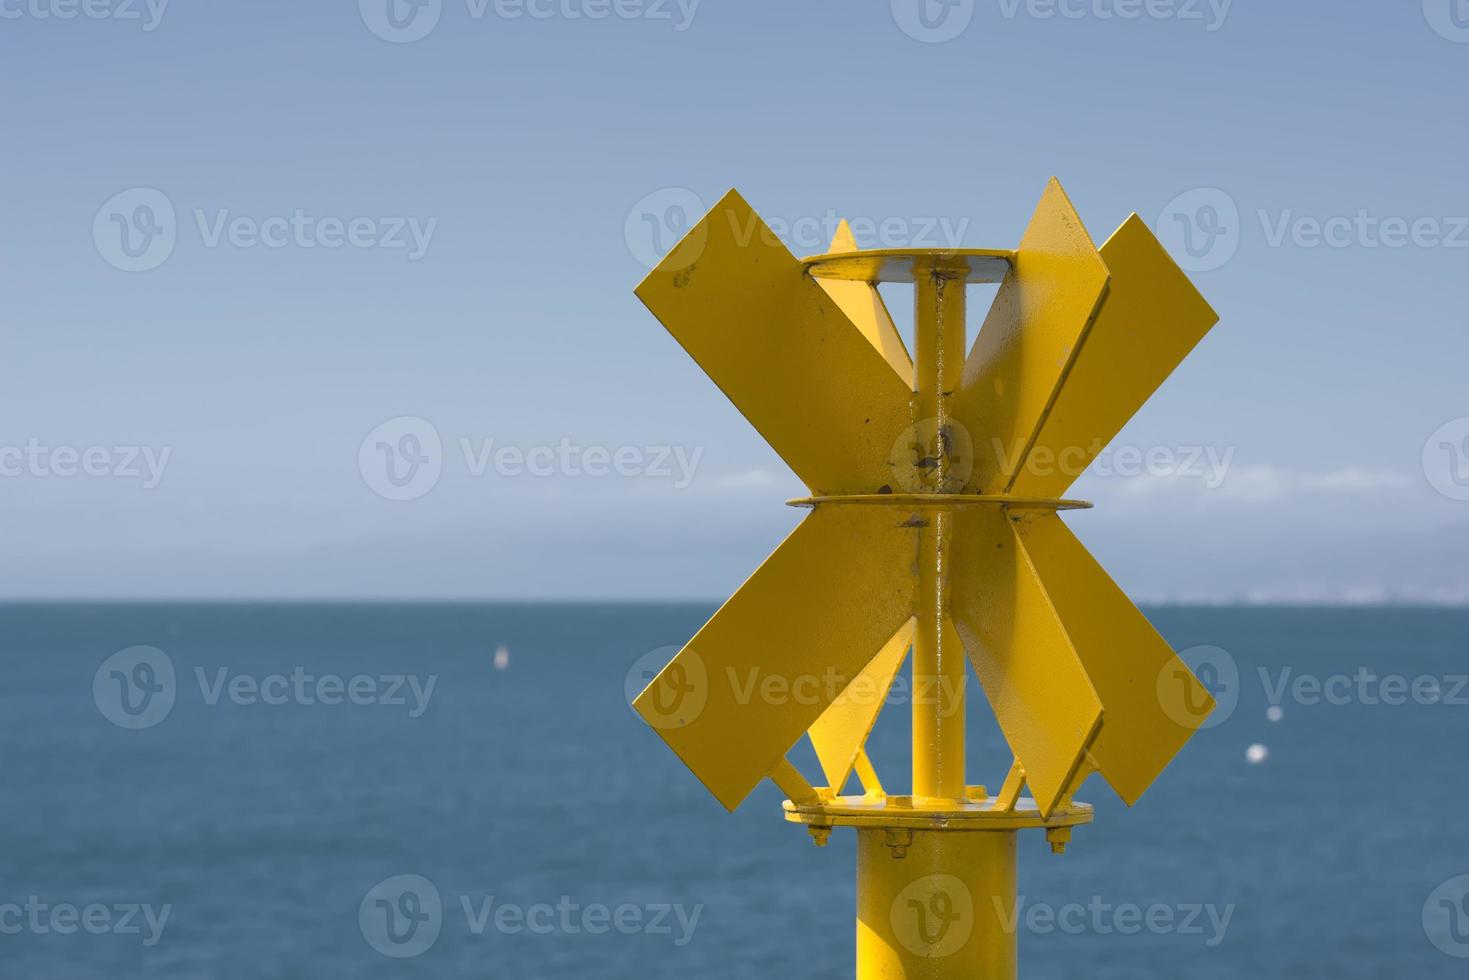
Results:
[938, 658]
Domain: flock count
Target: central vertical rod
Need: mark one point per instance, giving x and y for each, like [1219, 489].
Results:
[938, 657]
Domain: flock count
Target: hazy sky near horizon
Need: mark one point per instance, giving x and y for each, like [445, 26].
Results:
[242, 237]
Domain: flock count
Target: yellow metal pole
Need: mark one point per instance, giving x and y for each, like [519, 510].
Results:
[935, 905]
[938, 659]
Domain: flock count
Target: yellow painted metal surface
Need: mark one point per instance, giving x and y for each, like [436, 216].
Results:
[1150, 321]
[864, 306]
[841, 731]
[935, 485]
[973, 265]
[782, 350]
[1025, 348]
[1040, 693]
[933, 905]
[784, 647]
[1123, 656]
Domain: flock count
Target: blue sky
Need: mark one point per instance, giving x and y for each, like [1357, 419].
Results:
[368, 228]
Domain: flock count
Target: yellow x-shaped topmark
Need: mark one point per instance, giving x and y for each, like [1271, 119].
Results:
[1075, 343]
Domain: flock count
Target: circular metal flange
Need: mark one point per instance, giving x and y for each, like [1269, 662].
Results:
[977, 265]
[908, 813]
[943, 501]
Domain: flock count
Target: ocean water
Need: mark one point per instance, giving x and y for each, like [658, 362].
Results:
[550, 834]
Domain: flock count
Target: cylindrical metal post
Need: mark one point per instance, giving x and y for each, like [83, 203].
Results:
[936, 905]
[938, 659]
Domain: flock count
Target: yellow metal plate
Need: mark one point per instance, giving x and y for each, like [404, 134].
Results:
[1026, 664]
[784, 647]
[1122, 654]
[864, 306]
[840, 732]
[1027, 343]
[1151, 319]
[782, 350]
[973, 265]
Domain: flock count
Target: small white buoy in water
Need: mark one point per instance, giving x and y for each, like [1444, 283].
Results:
[1275, 712]
[1256, 754]
[502, 657]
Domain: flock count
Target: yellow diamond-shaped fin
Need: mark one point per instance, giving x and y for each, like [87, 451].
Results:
[1150, 699]
[1025, 348]
[1151, 319]
[770, 662]
[1026, 664]
[864, 306]
[840, 732]
[781, 349]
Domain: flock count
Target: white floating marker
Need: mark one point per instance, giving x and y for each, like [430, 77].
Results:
[1274, 713]
[1256, 754]
[502, 657]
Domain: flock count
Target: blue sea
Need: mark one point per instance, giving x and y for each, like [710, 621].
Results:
[372, 790]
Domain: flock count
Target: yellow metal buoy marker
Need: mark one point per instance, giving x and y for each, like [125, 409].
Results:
[935, 484]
